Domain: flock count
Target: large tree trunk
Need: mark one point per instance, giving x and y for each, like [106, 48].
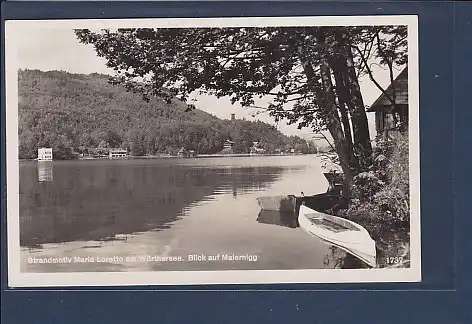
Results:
[334, 124]
[335, 129]
[325, 99]
[360, 125]
[343, 97]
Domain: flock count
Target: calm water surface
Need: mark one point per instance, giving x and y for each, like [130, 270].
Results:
[131, 209]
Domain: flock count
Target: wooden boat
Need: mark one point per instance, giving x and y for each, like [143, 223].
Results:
[278, 203]
[291, 203]
[340, 232]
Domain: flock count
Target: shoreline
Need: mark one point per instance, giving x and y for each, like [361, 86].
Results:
[171, 157]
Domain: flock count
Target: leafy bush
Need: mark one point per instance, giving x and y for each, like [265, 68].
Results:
[380, 198]
[382, 192]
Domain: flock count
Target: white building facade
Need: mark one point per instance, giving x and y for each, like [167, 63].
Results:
[45, 154]
[118, 154]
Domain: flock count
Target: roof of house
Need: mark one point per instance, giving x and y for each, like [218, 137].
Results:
[401, 93]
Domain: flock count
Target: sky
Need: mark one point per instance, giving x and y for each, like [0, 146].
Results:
[58, 49]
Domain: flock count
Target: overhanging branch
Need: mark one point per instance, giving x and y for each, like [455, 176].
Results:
[371, 76]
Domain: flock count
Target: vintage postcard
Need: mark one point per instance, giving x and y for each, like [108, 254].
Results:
[212, 151]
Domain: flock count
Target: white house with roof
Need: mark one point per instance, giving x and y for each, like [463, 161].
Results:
[118, 153]
[45, 154]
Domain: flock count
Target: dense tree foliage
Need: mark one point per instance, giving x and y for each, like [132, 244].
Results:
[311, 73]
[85, 114]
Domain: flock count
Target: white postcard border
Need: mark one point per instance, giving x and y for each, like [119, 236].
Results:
[18, 279]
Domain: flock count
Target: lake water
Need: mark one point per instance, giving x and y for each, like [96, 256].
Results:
[167, 214]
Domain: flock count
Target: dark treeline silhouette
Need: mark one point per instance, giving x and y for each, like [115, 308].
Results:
[76, 113]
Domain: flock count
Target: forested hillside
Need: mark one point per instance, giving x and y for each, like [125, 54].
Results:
[75, 113]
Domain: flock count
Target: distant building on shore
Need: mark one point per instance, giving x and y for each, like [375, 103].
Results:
[118, 153]
[255, 149]
[183, 152]
[45, 154]
[228, 147]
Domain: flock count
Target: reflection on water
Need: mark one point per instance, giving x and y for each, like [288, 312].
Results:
[45, 171]
[99, 201]
[336, 258]
[287, 219]
[167, 207]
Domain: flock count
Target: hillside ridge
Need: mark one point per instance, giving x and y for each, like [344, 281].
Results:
[84, 113]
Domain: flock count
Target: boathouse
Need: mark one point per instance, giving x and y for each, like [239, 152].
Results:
[391, 107]
[45, 154]
[118, 153]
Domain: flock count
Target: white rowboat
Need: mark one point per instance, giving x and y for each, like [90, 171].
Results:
[340, 232]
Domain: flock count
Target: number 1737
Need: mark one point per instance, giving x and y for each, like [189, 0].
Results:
[394, 260]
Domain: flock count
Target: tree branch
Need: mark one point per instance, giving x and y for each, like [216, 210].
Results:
[326, 139]
[371, 76]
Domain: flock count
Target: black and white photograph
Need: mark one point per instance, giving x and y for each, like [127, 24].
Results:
[213, 151]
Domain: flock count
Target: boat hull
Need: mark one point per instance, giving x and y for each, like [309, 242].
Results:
[291, 203]
[278, 203]
[340, 232]
[323, 202]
